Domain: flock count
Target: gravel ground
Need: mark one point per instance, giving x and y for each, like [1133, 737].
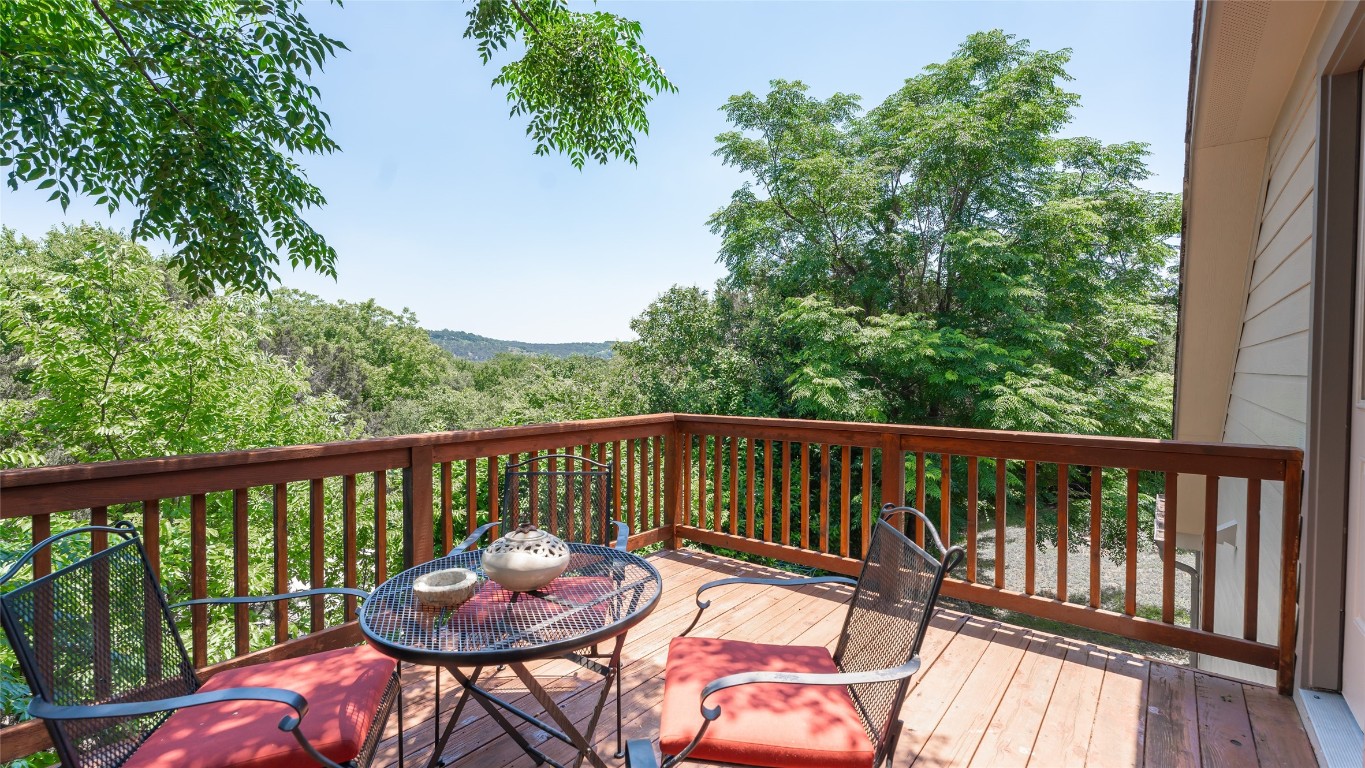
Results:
[1112, 577]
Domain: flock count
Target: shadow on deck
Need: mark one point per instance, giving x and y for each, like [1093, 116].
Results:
[989, 694]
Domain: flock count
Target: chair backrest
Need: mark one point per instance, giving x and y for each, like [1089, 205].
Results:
[573, 497]
[889, 613]
[93, 632]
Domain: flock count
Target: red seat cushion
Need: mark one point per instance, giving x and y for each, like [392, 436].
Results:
[343, 687]
[770, 724]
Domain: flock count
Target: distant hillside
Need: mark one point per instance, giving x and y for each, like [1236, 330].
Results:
[470, 346]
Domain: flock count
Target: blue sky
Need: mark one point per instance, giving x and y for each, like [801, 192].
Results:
[437, 204]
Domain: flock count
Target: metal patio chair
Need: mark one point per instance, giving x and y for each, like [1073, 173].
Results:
[575, 500]
[114, 685]
[781, 705]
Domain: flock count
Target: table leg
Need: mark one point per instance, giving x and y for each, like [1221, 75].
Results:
[440, 747]
[582, 741]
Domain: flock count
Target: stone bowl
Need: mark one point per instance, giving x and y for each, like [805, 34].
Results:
[444, 589]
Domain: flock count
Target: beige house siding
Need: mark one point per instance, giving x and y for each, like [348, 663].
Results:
[1268, 401]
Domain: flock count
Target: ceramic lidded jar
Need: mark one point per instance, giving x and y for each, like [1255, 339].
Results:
[526, 559]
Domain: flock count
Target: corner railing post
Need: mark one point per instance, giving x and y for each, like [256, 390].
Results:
[1289, 574]
[672, 482]
[418, 515]
[893, 470]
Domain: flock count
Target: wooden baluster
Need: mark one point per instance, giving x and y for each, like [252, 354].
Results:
[494, 490]
[616, 504]
[1130, 575]
[1168, 550]
[865, 521]
[381, 527]
[1210, 577]
[825, 468]
[644, 485]
[199, 581]
[151, 534]
[317, 538]
[280, 536]
[1096, 518]
[1030, 524]
[786, 518]
[1289, 573]
[945, 497]
[99, 598]
[44, 607]
[349, 546]
[768, 490]
[42, 560]
[920, 496]
[241, 587]
[845, 496]
[1063, 528]
[1001, 513]
[656, 514]
[753, 490]
[447, 507]
[567, 511]
[471, 495]
[717, 458]
[972, 523]
[586, 500]
[1251, 592]
[701, 483]
[734, 485]
[804, 487]
[685, 440]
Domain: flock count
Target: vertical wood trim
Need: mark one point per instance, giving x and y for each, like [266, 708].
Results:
[199, 581]
[845, 497]
[919, 493]
[104, 652]
[1289, 570]
[945, 496]
[825, 450]
[447, 507]
[151, 534]
[1209, 577]
[734, 485]
[586, 499]
[717, 502]
[241, 626]
[646, 493]
[1063, 528]
[471, 496]
[702, 501]
[865, 511]
[1130, 546]
[1168, 535]
[972, 493]
[616, 467]
[656, 512]
[686, 517]
[804, 488]
[1030, 525]
[630, 486]
[786, 520]
[151, 541]
[280, 549]
[42, 559]
[494, 490]
[349, 548]
[1096, 518]
[768, 490]
[1252, 561]
[673, 481]
[1001, 513]
[893, 471]
[753, 491]
[317, 538]
[381, 527]
[418, 516]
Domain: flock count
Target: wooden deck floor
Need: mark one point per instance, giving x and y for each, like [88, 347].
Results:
[989, 693]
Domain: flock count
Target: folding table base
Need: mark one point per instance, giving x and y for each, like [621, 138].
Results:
[565, 732]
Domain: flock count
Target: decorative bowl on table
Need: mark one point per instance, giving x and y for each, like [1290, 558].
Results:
[526, 559]
[445, 589]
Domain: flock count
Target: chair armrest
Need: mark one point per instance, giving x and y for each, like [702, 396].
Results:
[622, 535]
[704, 604]
[640, 754]
[289, 724]
[709, 714]
[248, 599]
[474, 537]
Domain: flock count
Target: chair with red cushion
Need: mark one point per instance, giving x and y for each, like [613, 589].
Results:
[114, 685]
[786, 706]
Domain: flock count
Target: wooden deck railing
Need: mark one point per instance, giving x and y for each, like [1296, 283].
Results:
[803, 492]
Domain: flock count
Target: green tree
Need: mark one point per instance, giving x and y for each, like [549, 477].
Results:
[194, 113]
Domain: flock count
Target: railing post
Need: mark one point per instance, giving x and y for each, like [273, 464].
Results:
[893, 470]
[672, 483]
[418, 514]
[1289, 574]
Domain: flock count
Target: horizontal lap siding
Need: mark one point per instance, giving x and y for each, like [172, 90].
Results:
[1269, 397]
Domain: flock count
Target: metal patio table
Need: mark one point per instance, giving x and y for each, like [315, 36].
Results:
[601, 595]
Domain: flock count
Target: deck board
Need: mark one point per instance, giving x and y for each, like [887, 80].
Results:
[988, 693]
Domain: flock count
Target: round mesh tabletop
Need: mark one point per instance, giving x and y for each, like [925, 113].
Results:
[602, 593]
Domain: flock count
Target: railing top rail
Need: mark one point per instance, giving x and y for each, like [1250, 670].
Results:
[691, 421]
[14, 478]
